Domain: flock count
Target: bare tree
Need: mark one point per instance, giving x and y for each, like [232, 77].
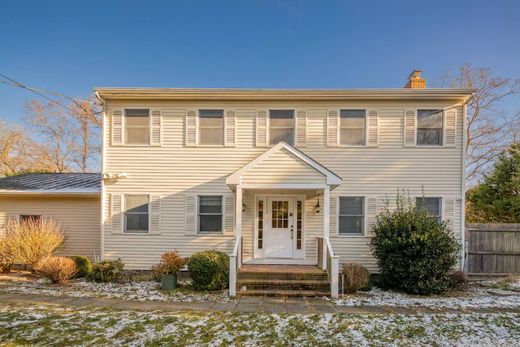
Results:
[17, 151]
[489, 129]
[55, 128]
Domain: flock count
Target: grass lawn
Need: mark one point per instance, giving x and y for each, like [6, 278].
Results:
[22, 324]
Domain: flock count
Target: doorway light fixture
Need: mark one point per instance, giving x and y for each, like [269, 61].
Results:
[317, 207]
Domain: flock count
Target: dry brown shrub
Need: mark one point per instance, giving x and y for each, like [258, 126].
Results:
[171, 263]
[356, 277]
[32, 241]
[58, 269]
[6, 258]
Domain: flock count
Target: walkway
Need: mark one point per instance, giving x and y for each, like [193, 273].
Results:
[241, 305]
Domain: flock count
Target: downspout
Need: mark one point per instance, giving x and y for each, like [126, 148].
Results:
[464, 265]
[103, 203]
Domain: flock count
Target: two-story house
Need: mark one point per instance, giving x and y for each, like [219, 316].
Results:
[292, 177]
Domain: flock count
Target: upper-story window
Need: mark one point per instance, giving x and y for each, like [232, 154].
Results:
[281, 126]
[211, 127]
[137, 126]
[352, 127]
[429, 127]
[431, 205]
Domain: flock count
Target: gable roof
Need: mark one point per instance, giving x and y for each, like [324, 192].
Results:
[331, 177]
[52, 183]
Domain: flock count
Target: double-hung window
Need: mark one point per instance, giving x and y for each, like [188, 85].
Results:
[352, 127]
[136, 213]
[137, 126]
[351, 215]
[211, 127]
[431, 205]
[429, 127]
[281, 126]
[210, 214]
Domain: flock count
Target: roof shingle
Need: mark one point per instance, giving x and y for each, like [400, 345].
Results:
[53, 182]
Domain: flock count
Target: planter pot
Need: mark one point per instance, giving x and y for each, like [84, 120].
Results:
[169, 282]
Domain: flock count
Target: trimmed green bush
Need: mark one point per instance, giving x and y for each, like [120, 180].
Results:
[106, 271]
[83, 264]
[415, 252]
[209, 270]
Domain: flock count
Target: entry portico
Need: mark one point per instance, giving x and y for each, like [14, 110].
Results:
[287, 214]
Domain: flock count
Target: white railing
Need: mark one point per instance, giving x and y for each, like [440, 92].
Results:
[330, 262]
[235, 263]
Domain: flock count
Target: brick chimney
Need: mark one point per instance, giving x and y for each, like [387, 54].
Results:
[415, 81]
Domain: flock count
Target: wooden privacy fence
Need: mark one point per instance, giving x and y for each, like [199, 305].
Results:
[493, 249]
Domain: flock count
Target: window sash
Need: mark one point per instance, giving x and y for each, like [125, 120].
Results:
[205, 218]
[352, 125]
[426, 203]
[345, 216]
[139, 214]
[132, 134]
[211, 127]
[281, 126]
[430, 127]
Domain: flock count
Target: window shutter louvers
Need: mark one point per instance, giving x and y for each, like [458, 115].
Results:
[117, 127]
[229, 214]
[371, 214]
[261, 129]
[333, 227]
[409, 128]
[155, 129]
[117, 214]
[191, 128]
[191, 215]
[301, 128]
[332, 128]
[448, 212]
[450, 128]
[372, 124]
[155, 214]
[230, 122]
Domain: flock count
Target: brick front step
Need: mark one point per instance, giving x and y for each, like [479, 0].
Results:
[285, 293]
[253, 284]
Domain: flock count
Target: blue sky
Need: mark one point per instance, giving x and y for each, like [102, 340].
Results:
[72, 46]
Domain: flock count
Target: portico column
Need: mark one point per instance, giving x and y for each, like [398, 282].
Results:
[326, 223]
[238, 222]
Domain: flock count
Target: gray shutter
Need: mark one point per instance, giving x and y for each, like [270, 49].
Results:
[229, 214]
[108, 214]
[332, 128]
[371, 214]
[190, 204]
[450, 128]
[117, 127]
[333, 210]
[155, 131]
[261, 129]
[117, 214]
[372, 124]
[191, 128]
[448, 211]
[301, 128]
[230, 126]
[409, 128]
[155, 214]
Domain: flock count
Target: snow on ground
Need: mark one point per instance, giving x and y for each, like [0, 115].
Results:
[139, 291]
[42, 325]
[474, 298]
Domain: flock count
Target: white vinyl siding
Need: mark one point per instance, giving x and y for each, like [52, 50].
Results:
[211, 127]
[178, 172]
[137, 126]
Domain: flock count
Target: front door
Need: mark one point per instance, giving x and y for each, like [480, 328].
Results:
[279, 229]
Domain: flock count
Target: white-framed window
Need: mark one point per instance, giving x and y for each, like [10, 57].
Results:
[352, 127]
[429, 127]
[211, 127]
[210, 214]
[281, 126]
[136, 213]
[137, 126]
[432, 205]
[351, 215]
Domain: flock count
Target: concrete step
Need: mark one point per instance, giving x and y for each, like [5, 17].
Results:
[293, 276]
[276, 284]
[285, 293]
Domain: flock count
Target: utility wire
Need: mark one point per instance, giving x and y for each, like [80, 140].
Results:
[13, 83]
